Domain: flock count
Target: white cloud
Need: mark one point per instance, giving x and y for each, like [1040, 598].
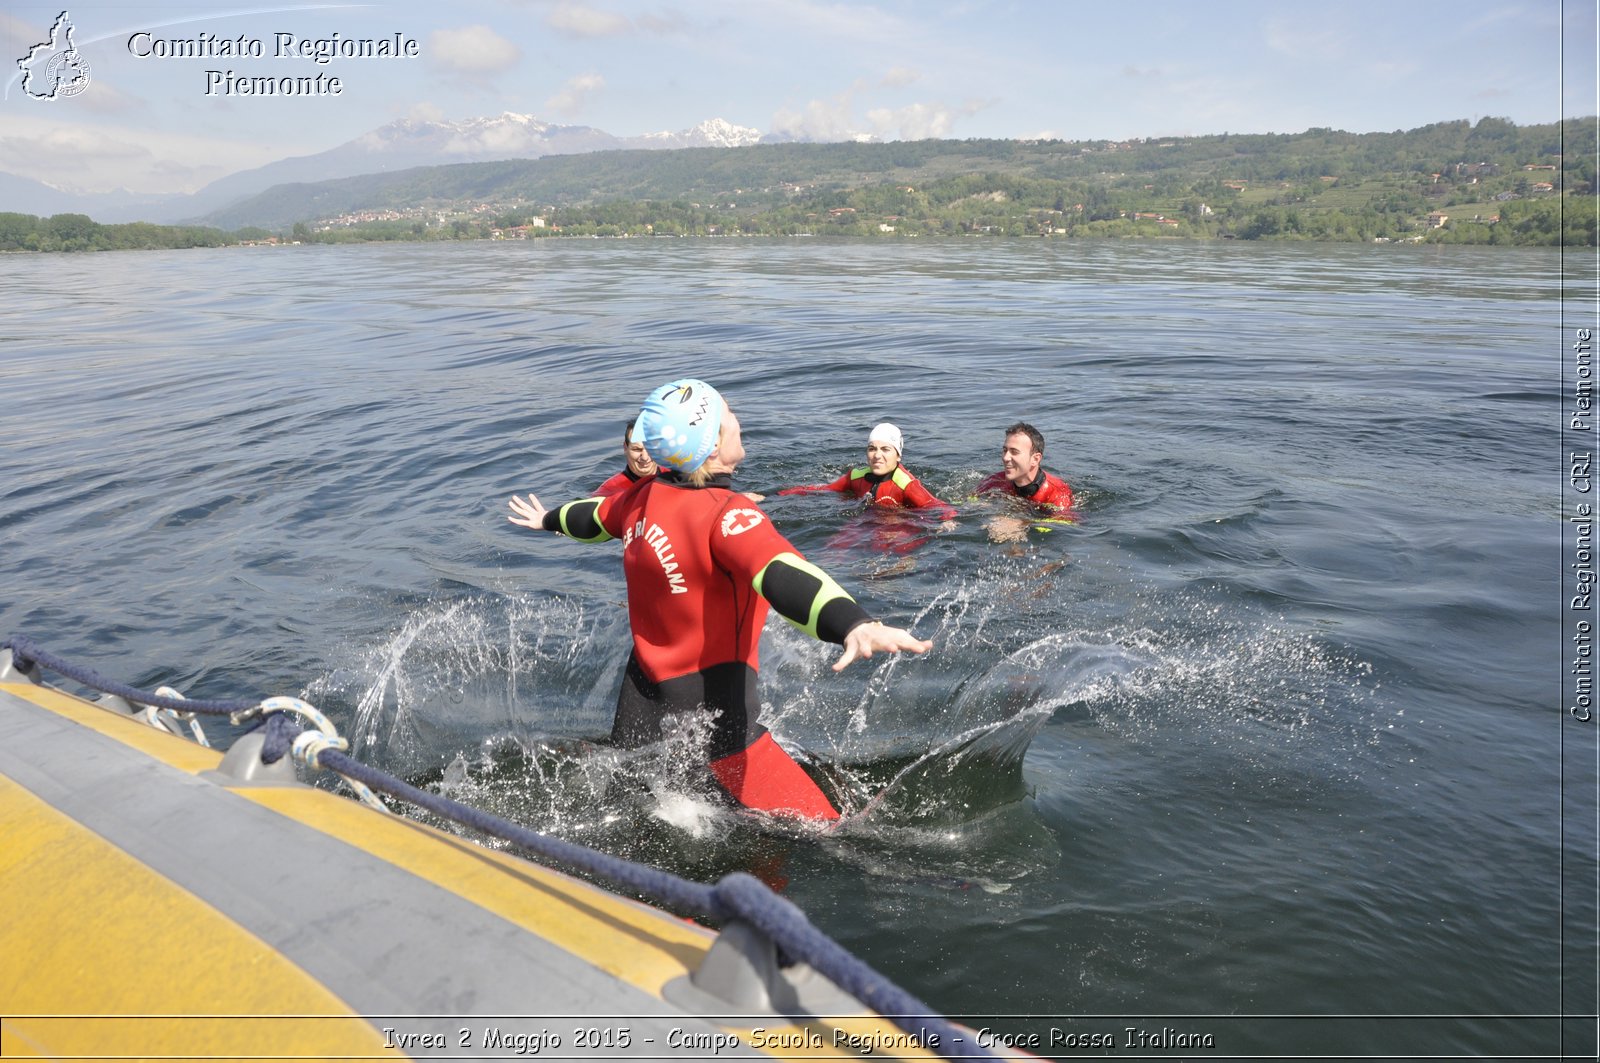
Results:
[580, 20]
[666, 22]
[102, 158]
[835, 118]
[425, 112]
[474, 51]
[500, 138]
[103, 98]
[1305, 40]
[919, 121]
[819, 120]
[574, 94]
[922, 121]
[900, 76]
[852, 22]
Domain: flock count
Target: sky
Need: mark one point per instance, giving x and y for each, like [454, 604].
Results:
[151, 119]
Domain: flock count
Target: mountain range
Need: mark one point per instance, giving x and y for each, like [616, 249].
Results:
[400, 145]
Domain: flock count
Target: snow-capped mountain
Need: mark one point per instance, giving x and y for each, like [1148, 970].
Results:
[400, 145]
[408, 143]
[523, 136]
[714, 133]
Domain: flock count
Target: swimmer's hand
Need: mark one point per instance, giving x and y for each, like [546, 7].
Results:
[527, 513]
[877, 637]
[1007, 530]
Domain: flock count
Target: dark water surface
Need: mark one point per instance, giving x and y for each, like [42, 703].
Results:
[1266, 747]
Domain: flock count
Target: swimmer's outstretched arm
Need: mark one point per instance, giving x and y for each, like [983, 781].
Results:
[577, 520]
[808, 597]
[877, 637]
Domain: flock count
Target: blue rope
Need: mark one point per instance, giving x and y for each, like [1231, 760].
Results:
[735, 896]
[778, 918]
[679, 893]
[279, 739]
[25, 652]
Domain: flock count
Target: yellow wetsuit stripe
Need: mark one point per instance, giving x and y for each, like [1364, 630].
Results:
[580, 520]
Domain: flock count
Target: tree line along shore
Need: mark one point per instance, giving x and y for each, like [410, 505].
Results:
[1490, 182]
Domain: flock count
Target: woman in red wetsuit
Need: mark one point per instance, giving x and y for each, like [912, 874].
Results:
[703, 563]
[885, 482]
[883, 478]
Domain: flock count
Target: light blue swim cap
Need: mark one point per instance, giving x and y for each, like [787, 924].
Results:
[680, 423]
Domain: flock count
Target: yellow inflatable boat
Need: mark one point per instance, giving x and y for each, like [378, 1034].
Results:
[167, 901]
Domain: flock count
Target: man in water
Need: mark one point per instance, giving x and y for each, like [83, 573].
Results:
[639, 464]
[703, 564]
[883, 478]
[1022, 476]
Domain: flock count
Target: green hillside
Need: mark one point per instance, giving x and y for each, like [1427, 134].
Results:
[1491, 182]
[1487, 180]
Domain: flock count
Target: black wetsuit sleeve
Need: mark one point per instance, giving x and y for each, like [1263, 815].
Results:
[579, 520]
[808, 597]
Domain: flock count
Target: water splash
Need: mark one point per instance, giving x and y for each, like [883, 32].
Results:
[655, 805]
[393, 679]
[497, 700]
[1258, 694]
[459, 671]
[997, 664]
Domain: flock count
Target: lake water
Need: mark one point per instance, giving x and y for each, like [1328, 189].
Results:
[1269, 747]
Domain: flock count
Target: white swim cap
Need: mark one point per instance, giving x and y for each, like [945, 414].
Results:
[887, 433]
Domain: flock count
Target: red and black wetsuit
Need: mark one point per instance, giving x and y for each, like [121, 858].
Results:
[620, 482]
[1048, 491]
[702, 566]
[896, 488]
